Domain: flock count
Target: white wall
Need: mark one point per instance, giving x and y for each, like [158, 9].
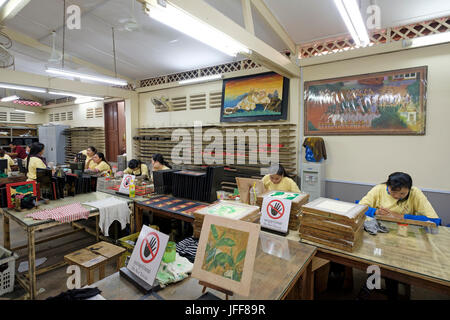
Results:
[370, 159]
[36, 118]
[79, 115]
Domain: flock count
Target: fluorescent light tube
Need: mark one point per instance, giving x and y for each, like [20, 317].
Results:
[350, 13]
[201, 79]
[23, 111]
[10, 98]
[427, 40]
[23, 88]
[185, 23]
[75, 95]
[2, 2]
[67, 73]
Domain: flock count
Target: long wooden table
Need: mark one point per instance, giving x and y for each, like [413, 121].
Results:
[31, 226]
[282, 270]
[421, 259]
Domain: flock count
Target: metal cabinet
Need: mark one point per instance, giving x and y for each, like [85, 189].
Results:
[55, 142]
[313, 179]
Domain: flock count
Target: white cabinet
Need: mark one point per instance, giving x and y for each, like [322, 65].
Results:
[313, 179]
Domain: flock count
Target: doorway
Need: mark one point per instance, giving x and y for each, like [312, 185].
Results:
[115, 134]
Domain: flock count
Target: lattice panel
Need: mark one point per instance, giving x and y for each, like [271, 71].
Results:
[3, 116]
[215, 99]
[70, 115]
[197, 101]
[377, 37]
[220, 69]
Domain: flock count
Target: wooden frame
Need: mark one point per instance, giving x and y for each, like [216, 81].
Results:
[407, 118]
[276, 103]
[18, 184]
[227, 234]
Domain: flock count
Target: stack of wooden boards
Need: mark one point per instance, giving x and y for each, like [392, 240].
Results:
[297, 199]
[227, 209]
[334, 223]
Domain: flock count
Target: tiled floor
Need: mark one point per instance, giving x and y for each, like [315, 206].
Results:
[54, 282]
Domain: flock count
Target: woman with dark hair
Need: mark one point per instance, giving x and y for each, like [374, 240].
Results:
[159, 163]
[277, 179]
[137, 168]
[89, 153]
[397, 197]
[101, 165]
[4, 156]
[35, 160]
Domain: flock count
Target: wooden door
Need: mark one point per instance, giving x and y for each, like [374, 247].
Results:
[114, 129]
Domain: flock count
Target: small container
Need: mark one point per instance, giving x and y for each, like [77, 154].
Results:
[402, 229]
[220, 195]
[132, 190]
[170, 253]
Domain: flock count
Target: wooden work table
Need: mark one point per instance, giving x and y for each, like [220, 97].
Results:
[31, 226]
[421, 259]
[282, 270]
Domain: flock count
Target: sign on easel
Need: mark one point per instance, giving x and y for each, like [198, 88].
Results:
[147, 254]
[275, 214]
[127, 181]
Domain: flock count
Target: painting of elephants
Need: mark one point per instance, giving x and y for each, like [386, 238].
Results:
[383, 103]
[257, 97]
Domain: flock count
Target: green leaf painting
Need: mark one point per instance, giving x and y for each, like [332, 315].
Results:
[225, 252]
[285, 195]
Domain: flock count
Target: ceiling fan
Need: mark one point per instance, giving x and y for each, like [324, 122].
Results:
[6, 59]
[130, 24]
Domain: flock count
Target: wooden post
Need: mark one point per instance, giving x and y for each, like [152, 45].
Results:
[6, 233]
[31, 264]
[97, 231]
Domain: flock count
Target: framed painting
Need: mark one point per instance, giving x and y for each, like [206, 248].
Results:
[383, 103]
[226, 253]
[19, 188]
[256, 97]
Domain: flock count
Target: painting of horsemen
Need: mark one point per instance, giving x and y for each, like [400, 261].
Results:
[384, 103]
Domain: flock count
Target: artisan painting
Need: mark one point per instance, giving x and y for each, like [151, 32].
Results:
[387, 103]
[226, 253]
[19, 189]
[220, 258]
[256, 97]
[229, 209]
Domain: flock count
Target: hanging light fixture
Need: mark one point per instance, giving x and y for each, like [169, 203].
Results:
[183, 22]
[74, 74]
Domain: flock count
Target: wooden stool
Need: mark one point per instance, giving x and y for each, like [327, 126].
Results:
[95, 256]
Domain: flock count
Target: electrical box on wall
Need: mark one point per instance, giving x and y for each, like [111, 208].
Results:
[313, 179]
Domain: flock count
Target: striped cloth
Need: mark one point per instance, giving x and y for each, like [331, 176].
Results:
[68, 213]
